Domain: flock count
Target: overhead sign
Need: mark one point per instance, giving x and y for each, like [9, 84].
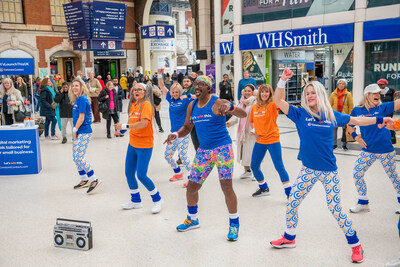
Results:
[381, 29]
[226, 48]
[108, 21]
[97, 45]
[77, 20]
[289, 56]
[108, 53]
[17, 66]
[162, 45]
[335, 34]
[157, 32]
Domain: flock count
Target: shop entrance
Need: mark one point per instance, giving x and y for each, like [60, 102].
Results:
[106, 67]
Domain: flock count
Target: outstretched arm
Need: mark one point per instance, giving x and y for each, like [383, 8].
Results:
[279, 95]
[365, 121]
[223, 106]
[186, 128]
[161, 84]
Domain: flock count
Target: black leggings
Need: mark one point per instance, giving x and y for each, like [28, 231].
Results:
[195, 140]
[158, 120]
[114, 116]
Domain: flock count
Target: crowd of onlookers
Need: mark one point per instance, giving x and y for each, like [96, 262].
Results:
[48, 98]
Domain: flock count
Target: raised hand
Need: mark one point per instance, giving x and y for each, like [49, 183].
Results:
[160, 71]
[287, 74]
[224, 108]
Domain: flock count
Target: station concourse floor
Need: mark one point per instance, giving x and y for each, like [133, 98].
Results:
[30, 205]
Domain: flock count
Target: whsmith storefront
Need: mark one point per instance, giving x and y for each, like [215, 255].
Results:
[318, 40]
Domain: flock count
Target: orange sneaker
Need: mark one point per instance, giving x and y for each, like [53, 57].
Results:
[357, 254]
[283, 243]
[185, 184]
[177, 176]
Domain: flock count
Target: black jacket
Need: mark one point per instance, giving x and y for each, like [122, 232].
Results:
[130, 82]
[121, 95]
[64, 104]
[45, 104]
[389, 96]
[102, 98]
[225, 91]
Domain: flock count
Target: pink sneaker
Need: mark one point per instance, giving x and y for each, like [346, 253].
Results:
[185, 184]
[357, 254]
[283, 243]
[177, 176]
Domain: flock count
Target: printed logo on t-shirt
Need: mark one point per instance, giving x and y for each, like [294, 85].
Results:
[315, 123]
[259, 113]
[134, 115]
[201, 118]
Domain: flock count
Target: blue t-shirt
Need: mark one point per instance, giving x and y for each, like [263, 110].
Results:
[316, 138]
[82, 105]
[377, 140]
[177, 111]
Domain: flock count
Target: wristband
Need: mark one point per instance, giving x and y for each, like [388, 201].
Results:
[74, 130]
[125, 126]
[354, 135]
[281, 84]
[232, 108]
[379, 120]
[159, 76]
[176, 134]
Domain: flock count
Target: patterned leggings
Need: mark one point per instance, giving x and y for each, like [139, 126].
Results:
[180, 144]
[79, 147]
[364, 161]
[303, 185]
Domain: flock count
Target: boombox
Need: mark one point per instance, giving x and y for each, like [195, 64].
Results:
[73, 234]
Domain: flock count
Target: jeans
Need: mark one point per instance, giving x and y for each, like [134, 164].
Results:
[53, 121]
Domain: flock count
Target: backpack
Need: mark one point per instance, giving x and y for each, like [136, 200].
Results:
[156, 99]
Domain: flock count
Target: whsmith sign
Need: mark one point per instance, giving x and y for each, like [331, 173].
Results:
[335, 34]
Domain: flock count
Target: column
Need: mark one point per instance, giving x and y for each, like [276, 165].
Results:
[237, 54]
[204, 31]
[359, 52]
[217, 30]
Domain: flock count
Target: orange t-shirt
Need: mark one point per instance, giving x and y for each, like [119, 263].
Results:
[396, 124]
[141, 138]
[264, 119]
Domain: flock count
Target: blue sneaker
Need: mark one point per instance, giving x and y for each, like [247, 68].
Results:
[233, 232]
[188, 224]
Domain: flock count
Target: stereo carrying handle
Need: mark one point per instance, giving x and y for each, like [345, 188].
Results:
[69, 220]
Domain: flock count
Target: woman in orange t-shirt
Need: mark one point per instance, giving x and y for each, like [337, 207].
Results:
[263, 117]
[140, 149]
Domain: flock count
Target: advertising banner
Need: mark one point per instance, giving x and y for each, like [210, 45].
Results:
[226, 48]
[385, 29]
[164, 62]
[251, 64]
[210, 71]
[335, 34]
[162, 45]
[228, 67]
[19, 151]
[343, 59]
[383, 61]
[227, 16]
[268, 10]
[17, 66]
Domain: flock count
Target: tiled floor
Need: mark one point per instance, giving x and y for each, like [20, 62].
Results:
[31, 204]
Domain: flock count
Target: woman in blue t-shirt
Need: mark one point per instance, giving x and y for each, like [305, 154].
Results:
[177, 114]
[82, 132]
[376, 144]
[315, 123]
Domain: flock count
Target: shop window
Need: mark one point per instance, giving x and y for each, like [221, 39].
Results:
[57, 12]
[11, 11]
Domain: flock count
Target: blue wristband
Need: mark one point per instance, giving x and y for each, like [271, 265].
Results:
[354, 135]
[232, 107]
[379, 120]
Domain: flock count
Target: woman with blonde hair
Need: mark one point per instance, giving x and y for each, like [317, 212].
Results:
[376, 144]
[11, 100]
[82, 133]
[341, 100]
[177, 113]
[263, 118]
[244, 138]
[21, 86]
[315, 122]
[140, 148]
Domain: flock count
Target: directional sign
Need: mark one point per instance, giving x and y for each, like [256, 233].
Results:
[92, 45]
[108, 21]
[157, 32]
[76, 20]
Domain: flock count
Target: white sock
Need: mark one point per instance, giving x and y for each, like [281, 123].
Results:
[233, 215]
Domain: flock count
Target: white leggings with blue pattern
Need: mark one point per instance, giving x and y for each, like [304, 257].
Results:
[303, 185]
[182, 145]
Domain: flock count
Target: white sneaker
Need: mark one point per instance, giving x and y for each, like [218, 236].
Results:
[359, 208]
[132, 205]
[245, 175]
[398, 210]
[157, 206]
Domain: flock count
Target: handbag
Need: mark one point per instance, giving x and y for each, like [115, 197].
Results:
[103, 107]
[156, 99]
[20, 115]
